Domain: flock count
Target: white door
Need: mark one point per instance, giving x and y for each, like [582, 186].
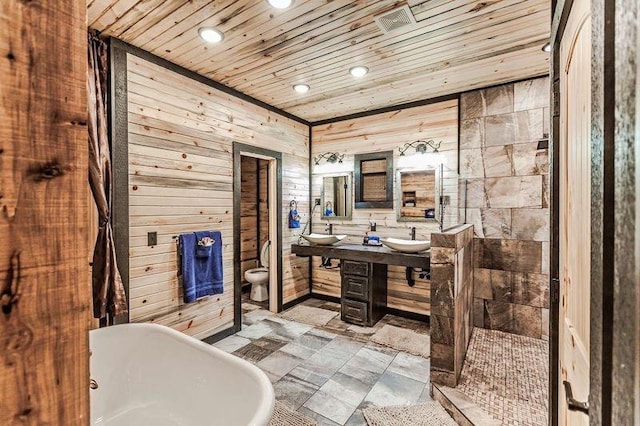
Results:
[575, 210]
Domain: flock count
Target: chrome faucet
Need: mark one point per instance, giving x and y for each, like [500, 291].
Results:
[413, 233]
[329, 228]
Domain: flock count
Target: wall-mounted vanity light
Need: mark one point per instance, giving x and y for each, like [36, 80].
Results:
[420, 146]
[330, 157]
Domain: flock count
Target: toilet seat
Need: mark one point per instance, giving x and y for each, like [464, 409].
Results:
[264, 254]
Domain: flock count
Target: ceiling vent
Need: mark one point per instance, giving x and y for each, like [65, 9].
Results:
[395, 19]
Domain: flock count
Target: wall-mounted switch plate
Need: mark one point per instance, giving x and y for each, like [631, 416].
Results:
[152, 238]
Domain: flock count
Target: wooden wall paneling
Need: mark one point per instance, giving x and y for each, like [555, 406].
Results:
[249, 215]
[384, 132]
[255, 211]
[400, 296]
[263, 204]
[454, 46]
[46, 298]
[181, 180]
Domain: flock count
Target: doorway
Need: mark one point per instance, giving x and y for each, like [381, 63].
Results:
[257, 225]
[254, 231]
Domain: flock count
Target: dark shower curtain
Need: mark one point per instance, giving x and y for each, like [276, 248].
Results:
[108, 291]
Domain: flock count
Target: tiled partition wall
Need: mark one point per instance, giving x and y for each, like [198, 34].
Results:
[451, 302]
[505, 158]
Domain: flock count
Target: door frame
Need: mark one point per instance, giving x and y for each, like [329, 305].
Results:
[558, 26]
[275, 224]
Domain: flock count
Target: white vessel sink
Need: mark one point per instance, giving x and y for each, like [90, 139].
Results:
[406, 246]
[323, 239]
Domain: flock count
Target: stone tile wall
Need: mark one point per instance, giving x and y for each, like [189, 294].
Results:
[451, 302]
[508, 204]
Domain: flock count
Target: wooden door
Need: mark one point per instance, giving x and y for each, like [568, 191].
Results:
[575, 209]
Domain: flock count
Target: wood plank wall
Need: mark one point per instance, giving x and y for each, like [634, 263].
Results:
[180, 180]
[254, 199]
[384, 132]
[46, 297]
[263, 205]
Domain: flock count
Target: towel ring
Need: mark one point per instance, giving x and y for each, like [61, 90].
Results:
[293, 205]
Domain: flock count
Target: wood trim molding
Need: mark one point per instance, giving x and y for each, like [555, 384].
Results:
[359, 202]
[312, 204]
[559, 21]
[217, 85]
[391, 108]
[220, 335]
[238, 149]
[415, 104]
[119, 133]
[295, 302]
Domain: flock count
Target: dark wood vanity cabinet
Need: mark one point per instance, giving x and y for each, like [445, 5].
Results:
[364, 292]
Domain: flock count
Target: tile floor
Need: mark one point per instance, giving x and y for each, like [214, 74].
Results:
[330, 373]
[507, 376]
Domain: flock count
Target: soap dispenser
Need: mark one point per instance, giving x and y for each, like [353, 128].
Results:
[365, 240]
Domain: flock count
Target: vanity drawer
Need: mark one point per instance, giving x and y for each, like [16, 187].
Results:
[349, 267]
[354, 312]
[355, 287]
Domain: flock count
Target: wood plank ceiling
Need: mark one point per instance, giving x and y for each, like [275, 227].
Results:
[456, 45]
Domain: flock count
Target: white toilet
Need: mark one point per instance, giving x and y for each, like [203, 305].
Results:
[259, 277]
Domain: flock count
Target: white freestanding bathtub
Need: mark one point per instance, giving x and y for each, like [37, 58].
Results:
[148, 374]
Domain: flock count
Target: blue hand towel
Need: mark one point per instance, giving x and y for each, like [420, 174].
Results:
[201, 276]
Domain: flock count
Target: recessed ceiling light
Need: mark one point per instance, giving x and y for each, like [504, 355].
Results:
[301, 88]
[546, 47]
[281, 4]
[359, 71]
[210, 35]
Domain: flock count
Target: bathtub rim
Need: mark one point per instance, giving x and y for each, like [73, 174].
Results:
[264, 412]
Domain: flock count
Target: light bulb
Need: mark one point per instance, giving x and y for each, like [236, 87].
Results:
[281, 4]
[210, 35]
[301, 88]
[359, 71]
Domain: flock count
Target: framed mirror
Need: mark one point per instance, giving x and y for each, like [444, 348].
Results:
[417, 195]
[374, 180]
[336, 196]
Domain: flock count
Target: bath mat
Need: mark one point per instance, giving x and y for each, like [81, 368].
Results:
[429, 414]
[402, 339]
[248, 306]
[284, 416]
[309, 315]
[361, 330]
